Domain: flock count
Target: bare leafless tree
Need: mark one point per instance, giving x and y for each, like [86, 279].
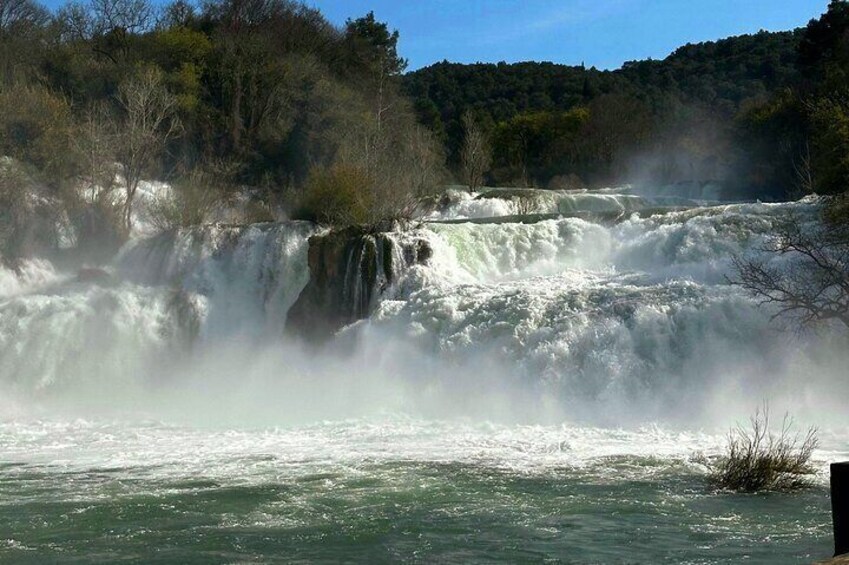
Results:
[401, 163]
[76, 22]
[812, 284]
[150, 121]
[94, 144]
[475, 157]
[18, 14]
[125, 16]
[804, 170]
[87, 190]
[108, 25]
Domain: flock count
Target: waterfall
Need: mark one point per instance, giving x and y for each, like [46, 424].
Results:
[210, 284]
[614, 321]
[635, 320]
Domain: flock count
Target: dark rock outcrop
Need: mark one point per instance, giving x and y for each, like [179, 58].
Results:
[94, 275]
[349, 270]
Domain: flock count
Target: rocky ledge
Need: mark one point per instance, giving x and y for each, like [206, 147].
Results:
[350, 269]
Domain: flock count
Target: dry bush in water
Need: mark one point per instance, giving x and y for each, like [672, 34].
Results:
[758, 459]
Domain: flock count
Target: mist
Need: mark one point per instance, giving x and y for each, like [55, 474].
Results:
[558, 321]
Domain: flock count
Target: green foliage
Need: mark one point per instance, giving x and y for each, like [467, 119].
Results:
[183, 54]
[340, 195]
[774, 135]
[829, 118]
[374, 46]
[535, 142]
[496, 93]
[274, 86]
[269, 84]
[721, 74]
[825, 43]
[654, 121]
[36, 127]
[824, 58]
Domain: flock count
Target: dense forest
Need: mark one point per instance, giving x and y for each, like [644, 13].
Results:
[657, 121]
[257, 98]
[267, 100]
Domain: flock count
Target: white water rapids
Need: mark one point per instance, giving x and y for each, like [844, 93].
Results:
[522, 347]
[614, 324]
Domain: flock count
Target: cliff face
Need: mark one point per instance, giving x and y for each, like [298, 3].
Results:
[349, 270]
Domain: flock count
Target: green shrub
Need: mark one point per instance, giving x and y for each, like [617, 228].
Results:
[36, 127]
[340, 195]
[758, 459]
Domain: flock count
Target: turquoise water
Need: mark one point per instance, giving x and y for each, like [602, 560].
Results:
[384, 491]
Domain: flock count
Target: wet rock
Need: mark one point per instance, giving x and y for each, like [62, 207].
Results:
[350, 269]
[94, 275]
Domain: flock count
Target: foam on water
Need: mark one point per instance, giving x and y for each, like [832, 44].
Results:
[200, 286]
[546, 383]
[81, 444]
[377, 488]
[631, 321]
[460, 204]
[29, 275]
[609, 324]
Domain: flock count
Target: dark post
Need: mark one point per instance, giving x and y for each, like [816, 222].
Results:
[840, 506]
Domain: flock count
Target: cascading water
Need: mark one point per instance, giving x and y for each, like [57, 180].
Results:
[530, 380]
[205, 285]
[492, 203]
[631, 321]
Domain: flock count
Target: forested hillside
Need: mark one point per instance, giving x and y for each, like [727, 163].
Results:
[267, 103]
[669, 120]
[232, 98]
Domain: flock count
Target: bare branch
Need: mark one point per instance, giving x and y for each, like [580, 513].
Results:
[150, 121]
[475, 156]
[812, 281]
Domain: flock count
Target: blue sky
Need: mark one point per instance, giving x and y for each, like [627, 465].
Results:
[601, 33]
